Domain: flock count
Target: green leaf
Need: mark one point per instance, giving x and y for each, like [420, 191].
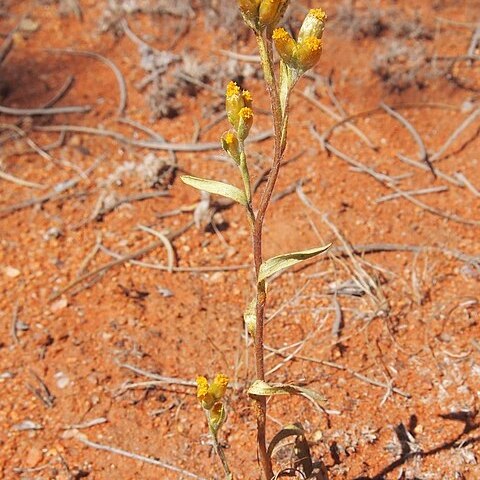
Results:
[263, 389]
[219, 188]
[275, 264]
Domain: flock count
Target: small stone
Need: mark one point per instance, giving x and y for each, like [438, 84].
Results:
[59, 305]
[11, 272]
[418, 430]
[217, 277]
[62, 380]
[75, 141]
[28, 25]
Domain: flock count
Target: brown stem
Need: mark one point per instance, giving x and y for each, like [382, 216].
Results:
[279, 124]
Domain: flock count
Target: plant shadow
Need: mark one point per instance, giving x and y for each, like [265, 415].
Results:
[410, 450]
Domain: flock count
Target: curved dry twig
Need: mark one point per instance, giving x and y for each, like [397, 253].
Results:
[44, 111]
[141, 458]
[436, 156]
[174, 147]
[20, 181]
[122, 85]
[367, 113]
[422, 151]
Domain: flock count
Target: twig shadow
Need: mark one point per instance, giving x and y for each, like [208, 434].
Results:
[405, 438]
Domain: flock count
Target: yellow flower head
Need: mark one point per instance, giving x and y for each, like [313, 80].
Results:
[309, 52]
[230, 138]
[313, 25]
[245, 122]
[219, 386]
[285, 45]
[202, 387]
[231, 145]
[259, 14]
[203, 394]
[209, 395]
[247, 98]
[246, 113]
[235, 101]
[232, 89]
[271, 11]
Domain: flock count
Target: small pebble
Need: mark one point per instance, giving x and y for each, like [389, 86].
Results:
[62, 380]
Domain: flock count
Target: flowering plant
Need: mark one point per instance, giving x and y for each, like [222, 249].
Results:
[296, 57]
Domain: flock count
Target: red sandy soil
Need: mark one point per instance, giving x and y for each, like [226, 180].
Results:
[414, 326]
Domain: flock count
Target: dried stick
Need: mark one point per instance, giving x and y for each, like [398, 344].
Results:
[339, 118]
[59, 95]
[462, 178]
[367, 113]
[88, 424]
[439, 173]
[19, 181]
[122, 104]
[241, 56]
[421, 191]
[470, 119]
[141, 458]
[169, 268]
[175, 147]
[422, 151]
[337, 366]
[28, 140]
[123, 259]
[166, 243]
[388, 183]
[43, 111]
[56, 193]
[398, 247]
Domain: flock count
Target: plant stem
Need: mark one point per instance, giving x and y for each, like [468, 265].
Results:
[279, 125]
[218, 450]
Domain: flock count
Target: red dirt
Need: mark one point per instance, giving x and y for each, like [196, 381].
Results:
[418, 331]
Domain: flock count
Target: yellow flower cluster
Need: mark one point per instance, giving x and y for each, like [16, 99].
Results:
[304, 53]
[239, 109]
[210, 396]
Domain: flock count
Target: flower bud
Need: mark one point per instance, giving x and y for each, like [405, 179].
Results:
[285, 45]
[313, 25]
[217, 417]
[249, 11]
[203, 394]
[231, 145]
[245, 122]
[303, 54]
[236, 100]
[219, 386]
[271, 11]
[308, 53]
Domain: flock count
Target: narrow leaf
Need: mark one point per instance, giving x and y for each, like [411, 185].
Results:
[219, 188]
[275, 264]
[263, 389]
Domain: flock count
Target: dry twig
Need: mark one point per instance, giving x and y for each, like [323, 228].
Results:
[122, 103]
[175, 147]
[141, 458]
